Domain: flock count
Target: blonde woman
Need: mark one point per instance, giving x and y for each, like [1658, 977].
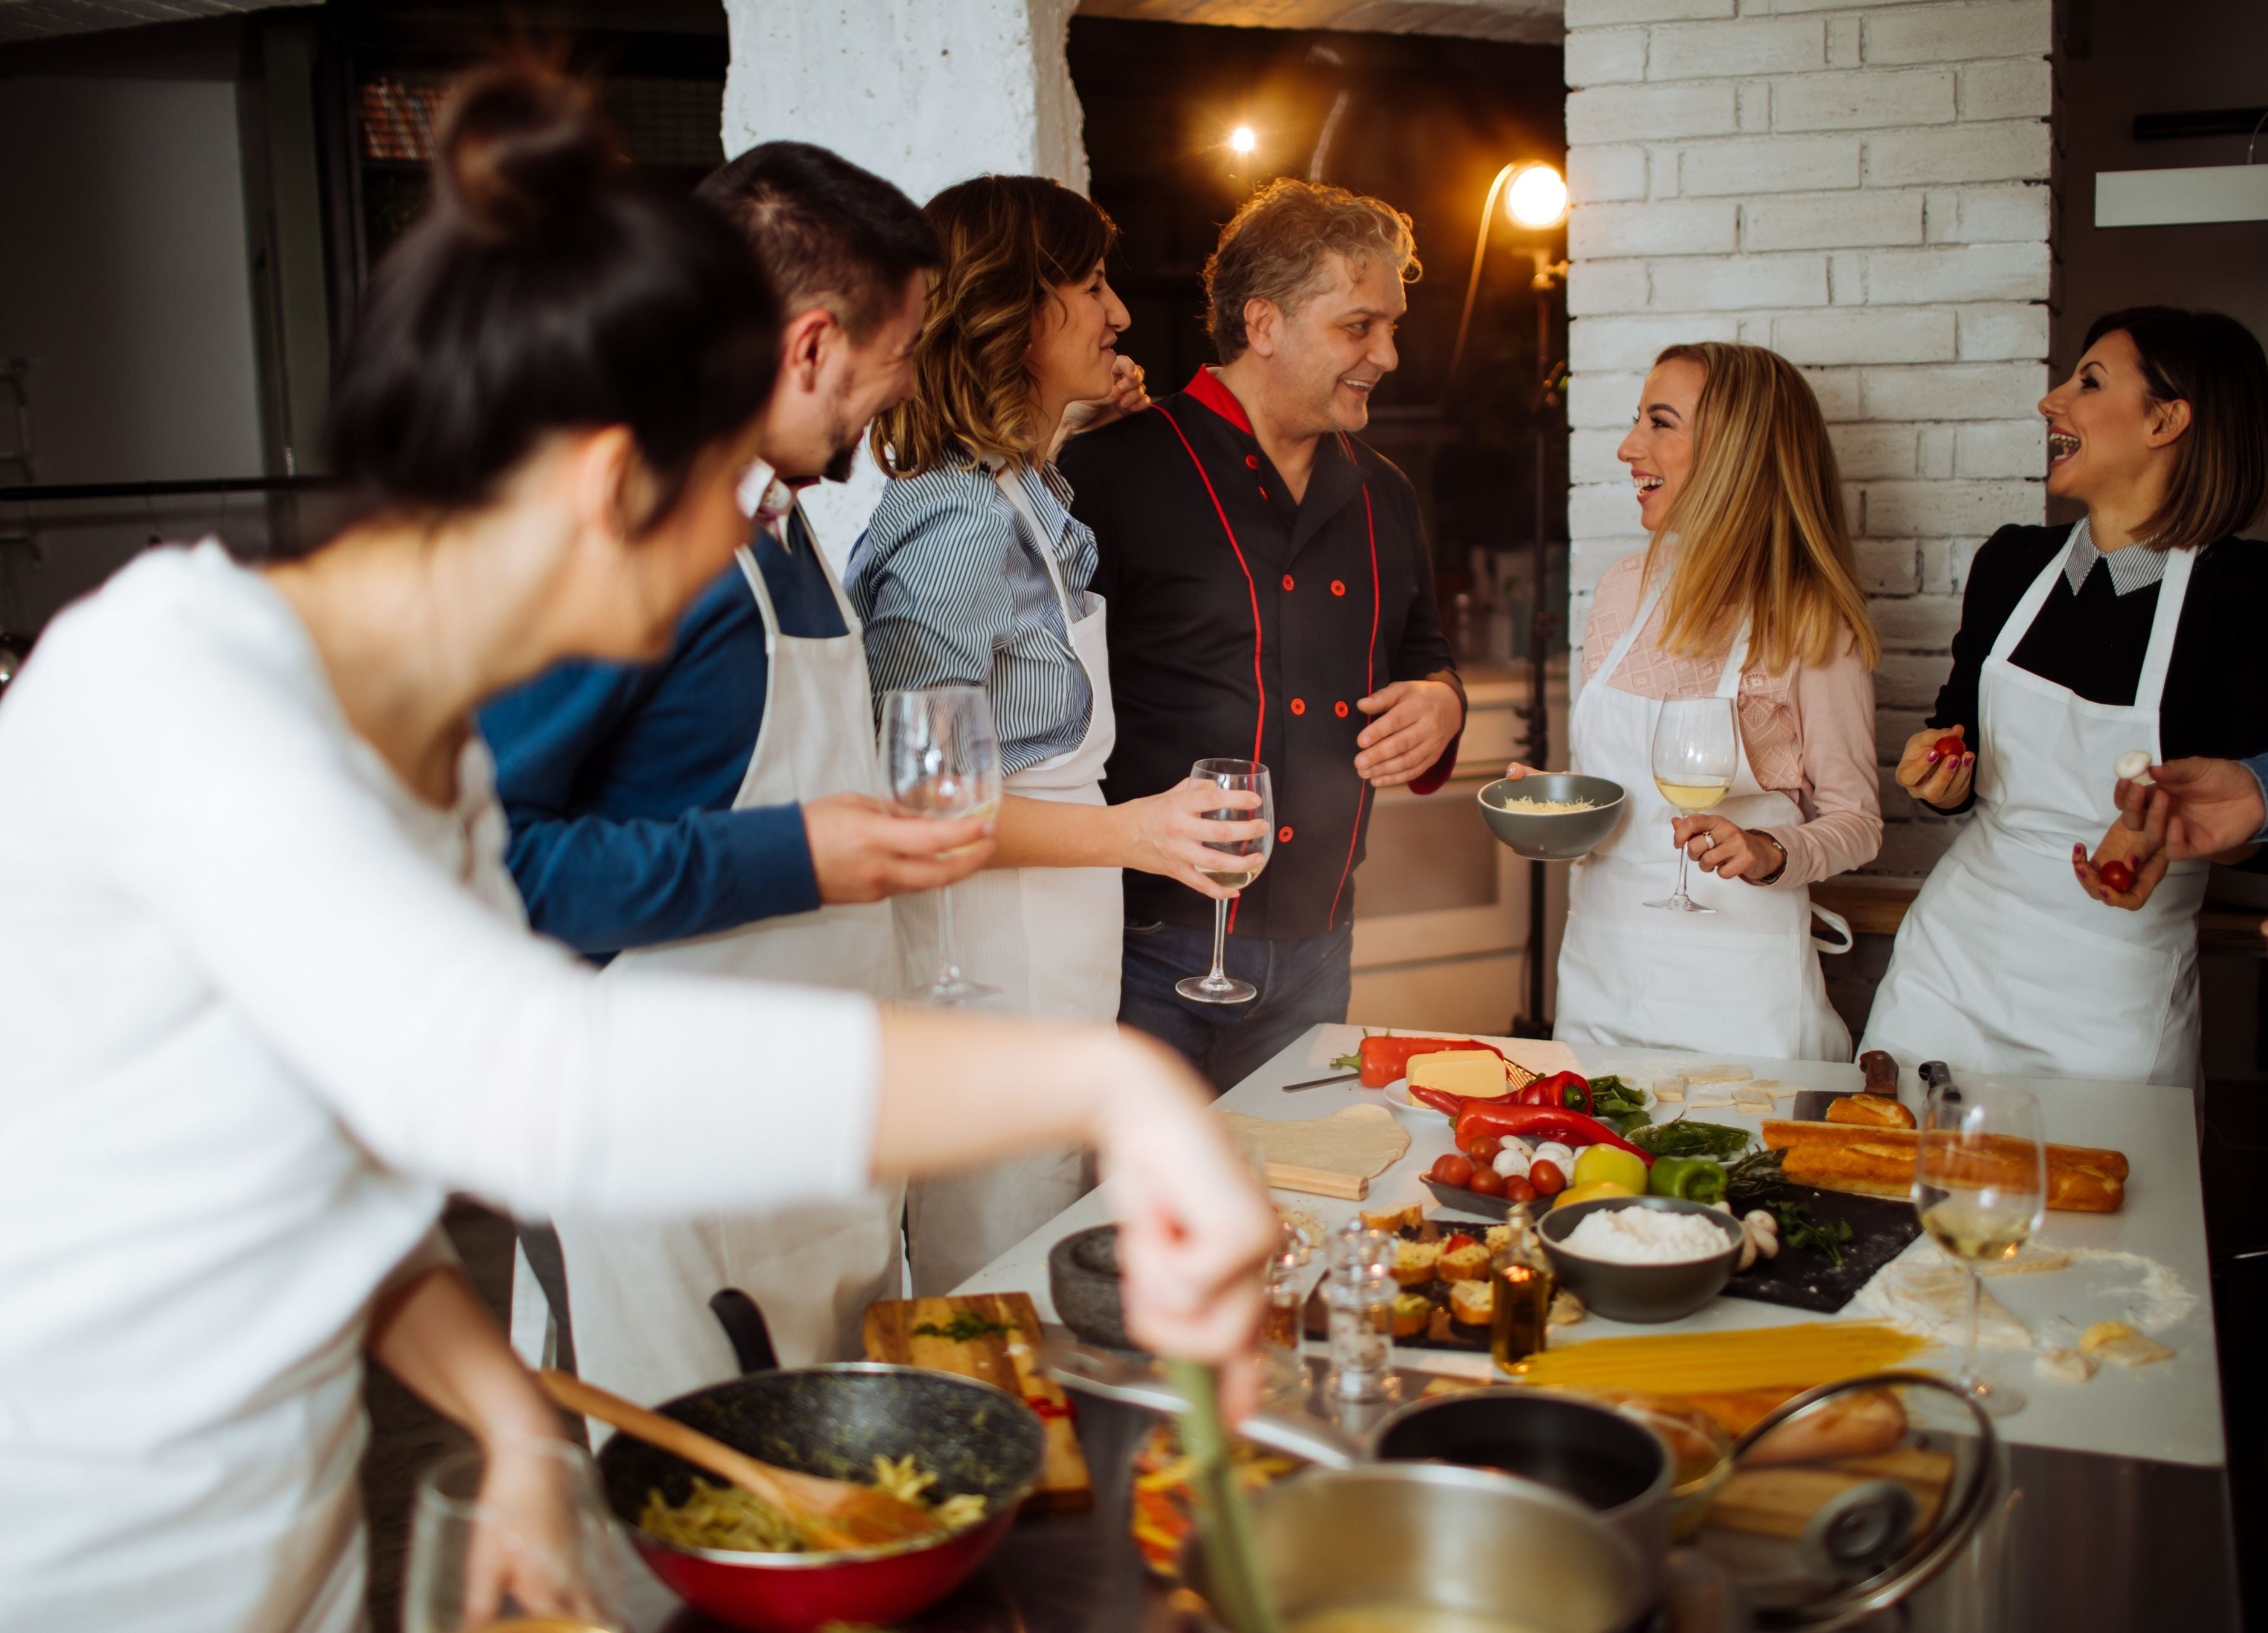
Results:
[974, 571]
[1747, 592]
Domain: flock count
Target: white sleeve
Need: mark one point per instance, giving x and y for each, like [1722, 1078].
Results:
[221, 799]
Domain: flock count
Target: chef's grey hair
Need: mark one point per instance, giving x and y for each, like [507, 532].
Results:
[1275, 249]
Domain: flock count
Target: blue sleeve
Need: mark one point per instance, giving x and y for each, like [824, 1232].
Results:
[933, 584]
[2259, 765]
[603, 882]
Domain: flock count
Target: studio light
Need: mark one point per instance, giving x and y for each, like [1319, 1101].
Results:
[1243, 141]
[1537, 197]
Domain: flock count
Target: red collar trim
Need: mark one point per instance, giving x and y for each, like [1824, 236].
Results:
[1205, 387]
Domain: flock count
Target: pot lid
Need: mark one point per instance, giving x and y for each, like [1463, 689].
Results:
[1850, 1496]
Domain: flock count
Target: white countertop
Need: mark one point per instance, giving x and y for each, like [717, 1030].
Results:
[2169, 1411]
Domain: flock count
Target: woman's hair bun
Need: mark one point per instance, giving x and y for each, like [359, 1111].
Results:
[520, 149]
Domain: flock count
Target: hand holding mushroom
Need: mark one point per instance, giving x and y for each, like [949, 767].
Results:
[2127, 865]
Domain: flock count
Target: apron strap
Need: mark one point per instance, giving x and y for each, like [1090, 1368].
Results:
[2173, 591]
[1620, 649]
[2028, 604]
[755, 575]
[1011, 489]
[1836, 922]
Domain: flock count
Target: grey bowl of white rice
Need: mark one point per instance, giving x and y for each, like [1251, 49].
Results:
[1642, 1258]
[1552, 816]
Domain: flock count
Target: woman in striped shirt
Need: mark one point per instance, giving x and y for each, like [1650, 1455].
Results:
[974, 571]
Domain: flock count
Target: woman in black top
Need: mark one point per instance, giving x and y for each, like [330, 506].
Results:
[2137, 627]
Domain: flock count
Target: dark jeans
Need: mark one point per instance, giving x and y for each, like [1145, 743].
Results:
[1300, 983]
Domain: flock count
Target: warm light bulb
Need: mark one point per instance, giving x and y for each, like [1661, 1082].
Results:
[1242, 139]
[1537, 197]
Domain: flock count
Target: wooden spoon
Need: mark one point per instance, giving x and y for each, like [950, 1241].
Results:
[835, 1513]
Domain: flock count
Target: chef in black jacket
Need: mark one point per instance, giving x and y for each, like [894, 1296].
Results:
[1271, 598]
[2137, 627]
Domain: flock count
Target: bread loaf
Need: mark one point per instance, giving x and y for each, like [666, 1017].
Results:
[1880, 1162]
[1870, 1111]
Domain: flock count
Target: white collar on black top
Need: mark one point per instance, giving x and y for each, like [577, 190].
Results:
[2134, 568]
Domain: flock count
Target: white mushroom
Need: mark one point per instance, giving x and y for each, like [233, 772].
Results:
[2134, 766]
[1514, 1159]
[1762, 1229]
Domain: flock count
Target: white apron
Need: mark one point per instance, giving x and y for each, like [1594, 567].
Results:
[2004, 964]
[1744, 981]
[639, 1293]
[1052, 940]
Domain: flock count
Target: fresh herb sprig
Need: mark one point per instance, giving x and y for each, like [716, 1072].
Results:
[965, 1327]
[1758, 1171]
[1798, 1230]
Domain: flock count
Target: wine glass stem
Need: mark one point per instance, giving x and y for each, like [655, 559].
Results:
[949, 962]
[1684, 856]
[1219, 942]
[1975, 1311]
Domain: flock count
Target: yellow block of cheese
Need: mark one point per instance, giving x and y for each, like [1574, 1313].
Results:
[1458, 1071]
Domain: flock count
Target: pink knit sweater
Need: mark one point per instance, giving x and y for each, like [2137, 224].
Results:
[1809, 733]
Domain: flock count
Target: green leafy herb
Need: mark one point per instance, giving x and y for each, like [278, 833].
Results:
[1682, 1138]
[1758, 1171]
[965, 1327]
[1798, 1230]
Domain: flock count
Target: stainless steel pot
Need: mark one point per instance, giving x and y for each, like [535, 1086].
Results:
[1428, 1535]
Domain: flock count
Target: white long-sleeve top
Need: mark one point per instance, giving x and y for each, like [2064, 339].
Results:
[260, 1008]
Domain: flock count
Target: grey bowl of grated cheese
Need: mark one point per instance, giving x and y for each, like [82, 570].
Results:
[1641, 1286]
[1552, 816]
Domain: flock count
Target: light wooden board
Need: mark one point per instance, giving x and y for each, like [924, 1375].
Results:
[1011, 1363]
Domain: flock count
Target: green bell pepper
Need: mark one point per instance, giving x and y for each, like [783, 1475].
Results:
[1696, 1178]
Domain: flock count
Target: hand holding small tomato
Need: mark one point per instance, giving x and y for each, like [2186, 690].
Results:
[2127, 865]
[1937, 766]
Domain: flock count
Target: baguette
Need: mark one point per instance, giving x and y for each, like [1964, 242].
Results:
[1880, 1162]
[2111, 1163]
[1871, 1111]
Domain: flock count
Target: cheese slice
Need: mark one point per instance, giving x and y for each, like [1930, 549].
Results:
[2114, 1340]
[1458, 1071]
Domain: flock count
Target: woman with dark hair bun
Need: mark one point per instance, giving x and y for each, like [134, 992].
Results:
[2136, 630]
[268, 993]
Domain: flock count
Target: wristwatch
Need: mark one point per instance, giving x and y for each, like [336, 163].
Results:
[1771, 877]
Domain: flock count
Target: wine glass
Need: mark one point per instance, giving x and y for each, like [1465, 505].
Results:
[1241, 860]
[1980, 1182]
[941, 760]
[517, 1542]
[1696, 752]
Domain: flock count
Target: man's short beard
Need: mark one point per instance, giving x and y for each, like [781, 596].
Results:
[845, 460]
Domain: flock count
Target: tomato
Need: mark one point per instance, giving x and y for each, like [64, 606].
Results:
[2118, 875]
[1483, 1148]
[1486, 1182]
[1450, 1168]
[1518, 1190]
[1948, 747]
[1546, 1179]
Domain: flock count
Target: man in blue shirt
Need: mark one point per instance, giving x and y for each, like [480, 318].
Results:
[718, 811]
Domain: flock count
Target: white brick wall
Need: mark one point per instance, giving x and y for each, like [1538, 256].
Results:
[1864, 187]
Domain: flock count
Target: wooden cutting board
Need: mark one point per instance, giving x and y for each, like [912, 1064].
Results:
[1010, 1362]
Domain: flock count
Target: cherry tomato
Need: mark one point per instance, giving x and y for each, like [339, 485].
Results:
[1484, 1147]
[1450, 1168]
[1486, 1182]
[1518, 1190]
[1948, 747]
[1546, 1177]
[2117, 875]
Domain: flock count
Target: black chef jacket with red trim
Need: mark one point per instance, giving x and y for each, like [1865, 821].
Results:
[1245, 626]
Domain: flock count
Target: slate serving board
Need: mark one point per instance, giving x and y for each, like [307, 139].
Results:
[1881, 1227]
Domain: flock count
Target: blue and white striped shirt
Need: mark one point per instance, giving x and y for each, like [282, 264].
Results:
[951, 590]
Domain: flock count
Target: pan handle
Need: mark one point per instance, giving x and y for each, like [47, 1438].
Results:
[1138, 1382]
[745, 1330]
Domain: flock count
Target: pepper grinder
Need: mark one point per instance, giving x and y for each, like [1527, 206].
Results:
[1359, 1294]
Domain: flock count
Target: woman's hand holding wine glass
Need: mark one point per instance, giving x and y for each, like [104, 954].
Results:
[1235, 862]
[1696, 754]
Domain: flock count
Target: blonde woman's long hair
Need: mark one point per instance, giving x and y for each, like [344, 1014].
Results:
[1759, 521]
[1008, 241]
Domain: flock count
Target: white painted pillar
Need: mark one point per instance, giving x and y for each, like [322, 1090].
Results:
[926, 92]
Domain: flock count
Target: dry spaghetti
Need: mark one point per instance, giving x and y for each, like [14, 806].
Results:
[1796, 1357]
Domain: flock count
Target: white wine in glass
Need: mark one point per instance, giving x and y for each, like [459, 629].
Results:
[1980, 1183]
[1697, 749]
[532, 1551]
[1241, 862]
[941, 760]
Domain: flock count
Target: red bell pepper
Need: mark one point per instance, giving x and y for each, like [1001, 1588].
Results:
[1570, 1089]
[1383, 1060]
[1550, 1122]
